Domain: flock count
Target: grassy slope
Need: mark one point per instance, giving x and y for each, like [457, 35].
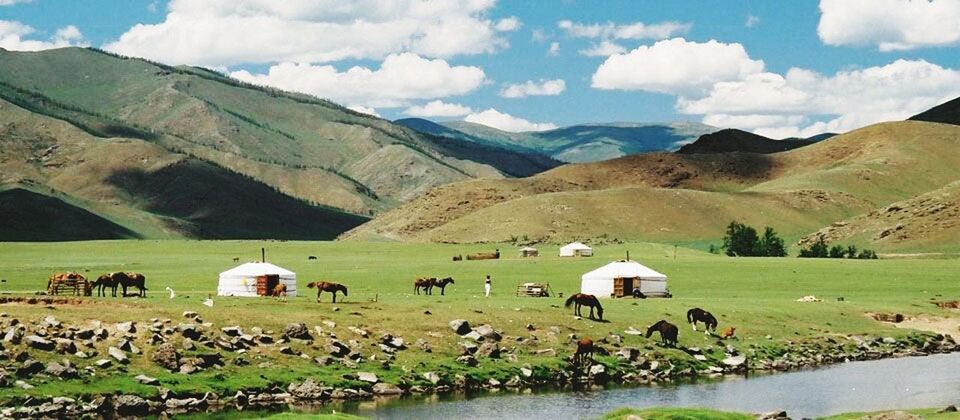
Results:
[27, 215]
[755, 295]
[689, 197]
[704, 414]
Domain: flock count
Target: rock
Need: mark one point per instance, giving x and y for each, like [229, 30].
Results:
[489, 350]
[50, 322]
[423, 345]
[473, 335]
[128, 346]
[361, 332]
[126, 327]
[367, 377]
[233, 331]
[39, 343]
[547, 353]
[188, 344]
[30, 367]
[61, 371]
[700, 357]
[330, 324]
[433, 377]
[308, 390]
[166, 355]
[189, 331]
[188, 368]
[889, 340]
[948, 409]
[13, 335]
[386, 389]
[146, 380]
[487, 332]
[190, 314]
[84, 334]
[297, 330]
[526, 372]
[628, 354]
[460, 326]
[118, 354]
[131, 405]
[735, 361]
[467, 360]
[597, 370]
[103, 363]
[493, 383]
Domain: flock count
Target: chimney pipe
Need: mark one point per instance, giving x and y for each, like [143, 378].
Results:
[628, 255]
[263, 255]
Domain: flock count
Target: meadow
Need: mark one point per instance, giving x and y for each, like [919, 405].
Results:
[757, 295]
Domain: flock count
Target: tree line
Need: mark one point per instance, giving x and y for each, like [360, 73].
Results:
[741, 240]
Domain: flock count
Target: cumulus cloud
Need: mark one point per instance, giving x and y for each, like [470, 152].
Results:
[12, 2]
[890, 25]
[676, 66]
[610, 30]
[364, 110]
[803, 102]
[554, 49]
[603, 49]
[438, 108]
[231, 32]
[400, 78]
[507, 24]
[751, 21]
[13, 33]
[506, 122]
[531, 88]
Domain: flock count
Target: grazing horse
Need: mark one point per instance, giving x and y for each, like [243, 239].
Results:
[581, 299]
[325, 286]
[728, 332]
[584, 351]
[279, 291]
[424, 283]
[442, 284]
[131, 279]
[699, 315]
[668, 332]
[105, 281]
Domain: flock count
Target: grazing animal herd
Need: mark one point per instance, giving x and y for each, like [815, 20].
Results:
[81, 286]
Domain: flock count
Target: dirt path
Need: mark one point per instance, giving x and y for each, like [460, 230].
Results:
[947, 326]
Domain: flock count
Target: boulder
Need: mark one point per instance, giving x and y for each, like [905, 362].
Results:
[30, 367]
[126, 327]
[773, 415]
[361, 332]
[386, 389]
[103, 363]
[297, 330]
[166, 355]
[547, 353]
[39, 343]
[189, 331]
[489, 350]
[118, 354]
[308, 390]
[146, 380]
[433, 377]
[131, 405]
[61, 371]
[367, 377]
[487, 332]
[468, 360]
[190, 314]
[735, 361]
[233, 331]
[597, 370]
[460, 326]
[473, 335]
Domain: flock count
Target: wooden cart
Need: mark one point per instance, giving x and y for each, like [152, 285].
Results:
[534, 289]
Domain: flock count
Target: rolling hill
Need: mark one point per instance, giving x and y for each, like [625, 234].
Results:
[150, 139]
[733, 140]
[687, 197]
[578, 143]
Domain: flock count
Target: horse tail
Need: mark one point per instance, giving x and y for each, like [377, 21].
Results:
[312, 284]
[570, 300]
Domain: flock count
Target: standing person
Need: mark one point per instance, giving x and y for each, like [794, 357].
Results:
[486, 285]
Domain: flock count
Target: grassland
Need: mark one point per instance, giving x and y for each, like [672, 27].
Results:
[703, 414]
[755, 295]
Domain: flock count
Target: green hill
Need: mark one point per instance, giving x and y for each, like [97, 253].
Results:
[65, 113]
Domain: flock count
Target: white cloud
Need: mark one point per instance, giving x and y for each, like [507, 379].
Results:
[803, 102]
[364, 110]
[12, 2]
[890, 25]
[603, 49]
[506, 122]
[531, 88]
[554, 49]
[637, 30]
[676, 66]
[438, 108]
[230, 32]
[538, 35]
[508, 24]
[751, 21]
[12, 35]
[400, 78]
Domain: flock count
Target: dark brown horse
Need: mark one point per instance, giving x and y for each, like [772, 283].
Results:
[584, 352]
[699, 315]
[442, 284]
[106, 281]
[425, 283]
[581, 299]
[131, 279]
[668, 332]
[325, 286]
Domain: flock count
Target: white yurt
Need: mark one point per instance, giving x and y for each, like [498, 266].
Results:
[576, 249]
[255, 279]
[529, 252]
[619, 278]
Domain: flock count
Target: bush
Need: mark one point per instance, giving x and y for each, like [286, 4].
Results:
[816, 250]
[837, 251]
[819, 249]
[742, 241]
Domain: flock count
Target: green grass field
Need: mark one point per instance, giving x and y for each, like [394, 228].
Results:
[755, 295]
[704, 414]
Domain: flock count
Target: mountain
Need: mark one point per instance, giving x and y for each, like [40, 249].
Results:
[182, 151]
[733, 140]
[947, 113]
[578, 143]
[687, 197]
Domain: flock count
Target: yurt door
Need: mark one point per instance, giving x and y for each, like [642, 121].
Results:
[266, 284]
[622, 286]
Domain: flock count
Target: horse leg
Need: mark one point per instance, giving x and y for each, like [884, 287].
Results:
[591, 312]
[694, 324]
[334, 296]
[442, 289]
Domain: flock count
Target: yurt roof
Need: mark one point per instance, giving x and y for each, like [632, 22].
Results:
[626, 269]
[576, 245]
[257, 269]
[527, 248]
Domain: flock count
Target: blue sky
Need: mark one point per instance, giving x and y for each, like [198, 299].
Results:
[776, 68]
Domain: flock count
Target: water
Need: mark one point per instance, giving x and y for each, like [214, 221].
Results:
[915, 382]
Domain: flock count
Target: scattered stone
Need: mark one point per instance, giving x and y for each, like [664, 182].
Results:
[166, 355]
[948, 409]
[473, 335]
[127, 345]
[30, 367]
[39, 343]
[433, 377]
[188, 344]
[597, 370]
[118, 355]
[103, 363]
[367, 377]
[189, 331]
[60, 371]
[468, 347]
[489, 350]
[233, 331]
[547, 353]
[126, 327]
[735, 361]
[188, 368]
[297, 330]
[773, 415]
[423, 345]
[131, 405]
[526, 372]
[467, 360]
[146, 380]
[330, 324]
[386, 389]
[287, 350]
[358, 331]
[308, 390]
[460, 326]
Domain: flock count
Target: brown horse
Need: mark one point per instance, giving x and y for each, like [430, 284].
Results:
[279, 291]
[424, 283]
[581, 299]
[668, 332]
[728, 332]
[325, 286]
[131, 279]
[106, 281]
[73, 280]
[584, 351]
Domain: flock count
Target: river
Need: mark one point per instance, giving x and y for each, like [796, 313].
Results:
[914, 382]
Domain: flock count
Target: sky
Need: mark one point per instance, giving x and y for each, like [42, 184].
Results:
[780, 69]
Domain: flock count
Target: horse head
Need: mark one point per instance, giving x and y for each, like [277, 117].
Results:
[342, 288]
[449, 280]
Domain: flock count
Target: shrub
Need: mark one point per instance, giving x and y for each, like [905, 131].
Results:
[742, 241]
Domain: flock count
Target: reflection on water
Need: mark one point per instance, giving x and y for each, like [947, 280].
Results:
[916, 382]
